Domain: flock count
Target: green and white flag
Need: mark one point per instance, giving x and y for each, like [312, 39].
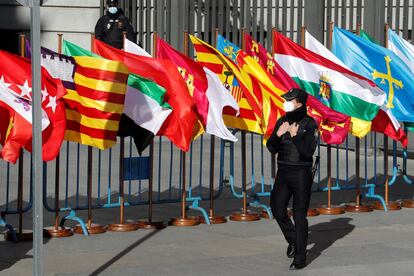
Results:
[334, 85]
[144, 103]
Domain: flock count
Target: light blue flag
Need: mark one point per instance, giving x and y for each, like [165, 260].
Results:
[227, 48]
[380, 65]
[402, 48]
[230, 50]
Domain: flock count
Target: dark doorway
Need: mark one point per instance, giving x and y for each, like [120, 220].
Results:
[10, 40]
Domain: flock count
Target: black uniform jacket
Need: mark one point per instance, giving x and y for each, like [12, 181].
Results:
[110, 27]
[297, 150]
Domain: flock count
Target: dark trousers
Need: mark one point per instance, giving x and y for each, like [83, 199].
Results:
[297, 182]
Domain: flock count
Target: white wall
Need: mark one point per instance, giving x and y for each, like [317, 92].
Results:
[75, 19]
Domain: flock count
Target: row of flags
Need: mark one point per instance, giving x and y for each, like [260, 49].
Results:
[334, 82]
[91, 97]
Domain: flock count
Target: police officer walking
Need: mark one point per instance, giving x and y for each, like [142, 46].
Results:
[110, 27]
[294, 139]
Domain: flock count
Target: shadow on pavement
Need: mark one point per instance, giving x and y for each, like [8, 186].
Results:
[123, 253]
[12, 252]
[325, 234]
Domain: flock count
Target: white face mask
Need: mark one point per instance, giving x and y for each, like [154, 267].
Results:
[112, 10]
[288, 106]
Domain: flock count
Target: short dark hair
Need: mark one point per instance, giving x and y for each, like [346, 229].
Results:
[112, 2]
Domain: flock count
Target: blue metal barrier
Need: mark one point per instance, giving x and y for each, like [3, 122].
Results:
[168, 182]
[366, 186]
[397, 171]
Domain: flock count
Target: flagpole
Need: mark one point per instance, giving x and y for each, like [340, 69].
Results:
[184, 220]
[391, 205]
[357, 207]
[244, 215]
[56, 231]
[92, 228]
[150, 224]
[37, 139]
[28, 235]
[22, 235]
[312, 212]
[122, 226]
[213, 219]
[264, 214]
[330, 209]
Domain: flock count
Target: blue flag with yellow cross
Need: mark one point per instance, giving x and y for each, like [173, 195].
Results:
[380, 65]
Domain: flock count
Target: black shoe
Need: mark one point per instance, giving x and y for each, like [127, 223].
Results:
[297, 266]
[290, 252]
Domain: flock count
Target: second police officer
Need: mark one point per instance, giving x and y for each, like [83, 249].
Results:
[110, 27]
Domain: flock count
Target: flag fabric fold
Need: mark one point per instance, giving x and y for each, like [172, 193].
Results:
[15, 79]
[266, 60]
[145, 110]
[333, 126]
[15, 130]
[380, 65]
[334, 85]
[144, 103]
[133, 48]
[234, 80]
[95, 99]
[178, 127]
[268, 89]
[209, 95]
[384, 122]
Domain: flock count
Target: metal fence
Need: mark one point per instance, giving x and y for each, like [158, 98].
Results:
[202, 17]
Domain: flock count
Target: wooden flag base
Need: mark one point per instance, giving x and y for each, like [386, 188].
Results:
[408, 203]
[93, 229]
[26, 235]
[123, 227]
[361, 208]
[333, 210]
[60, 232]
[244, 216]
[391, 206]
[213, 219]
[183, 222]
[150, 225]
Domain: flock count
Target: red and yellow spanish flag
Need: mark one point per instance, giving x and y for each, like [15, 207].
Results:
[271, 89]
[237, 81]
[95, 101]
[333, 126]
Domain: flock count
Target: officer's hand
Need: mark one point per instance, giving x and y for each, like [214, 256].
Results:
[293, 129]
[283, 129]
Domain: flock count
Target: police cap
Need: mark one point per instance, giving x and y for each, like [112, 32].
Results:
[296, 93]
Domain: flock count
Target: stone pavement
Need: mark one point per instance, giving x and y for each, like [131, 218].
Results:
[375, 243]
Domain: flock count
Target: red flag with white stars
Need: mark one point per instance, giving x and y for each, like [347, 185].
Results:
[15, 80]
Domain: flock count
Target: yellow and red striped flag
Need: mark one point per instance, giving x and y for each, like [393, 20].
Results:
[95, 100]
[237, 82]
